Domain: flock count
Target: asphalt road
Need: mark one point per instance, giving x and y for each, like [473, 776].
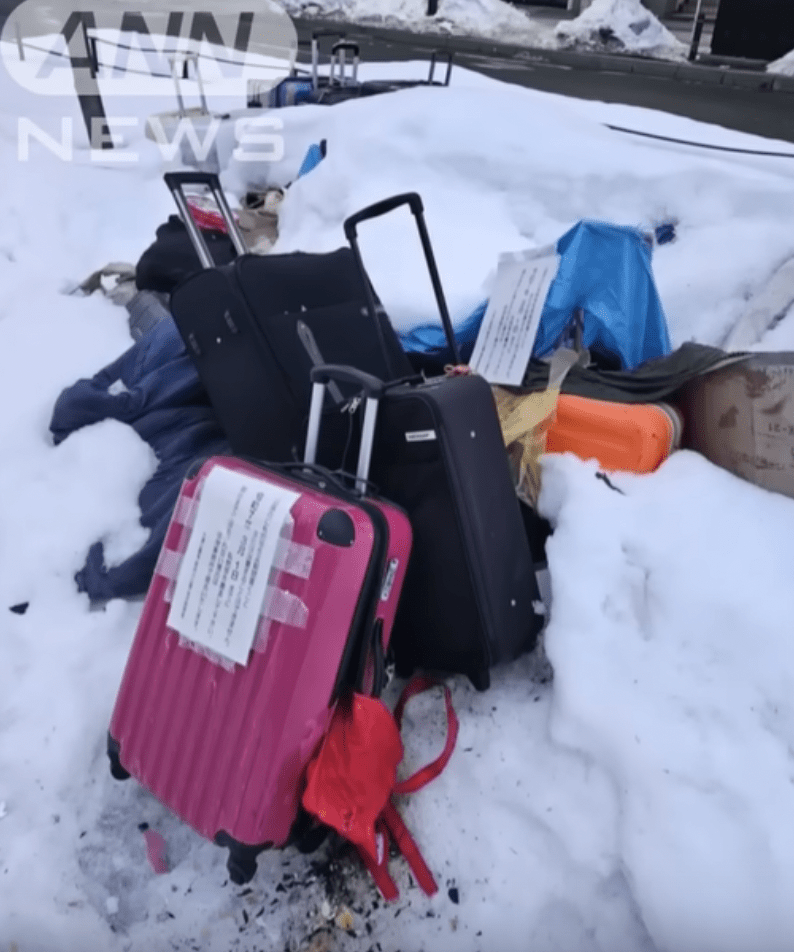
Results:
[762, 112]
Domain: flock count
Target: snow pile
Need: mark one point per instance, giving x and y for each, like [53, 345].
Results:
[500, 168]
[674, 669]
[490, 18]
[620, 26]
[590, 814]
[783, 66]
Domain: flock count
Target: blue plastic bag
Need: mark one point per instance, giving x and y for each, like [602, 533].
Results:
[314, 156]
[606, 271]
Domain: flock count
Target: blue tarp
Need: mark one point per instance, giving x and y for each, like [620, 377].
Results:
[606, 271]
[163, 400]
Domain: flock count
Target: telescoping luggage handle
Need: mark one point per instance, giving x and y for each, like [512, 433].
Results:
[373, 389]
[338, 59]
[176, 182]
[414, 202]
[317, 35]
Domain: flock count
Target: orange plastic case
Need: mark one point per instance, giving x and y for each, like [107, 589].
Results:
[622, 436]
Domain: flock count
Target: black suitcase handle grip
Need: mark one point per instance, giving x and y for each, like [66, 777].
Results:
[411, 199]
[347, 46]
[414, 202]
[372, 386]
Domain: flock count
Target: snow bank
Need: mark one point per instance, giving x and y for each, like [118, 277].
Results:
[620, 26]
[783, 66]
[491, 18]
[501, 168]
[555, 826]
[674, 668]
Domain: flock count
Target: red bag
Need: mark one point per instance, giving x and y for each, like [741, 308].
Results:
[351, 781]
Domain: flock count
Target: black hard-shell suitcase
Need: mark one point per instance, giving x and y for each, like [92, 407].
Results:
[256, 326]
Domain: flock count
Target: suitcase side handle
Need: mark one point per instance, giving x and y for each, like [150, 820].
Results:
[176, 182]
[414, 202]
[373, 389]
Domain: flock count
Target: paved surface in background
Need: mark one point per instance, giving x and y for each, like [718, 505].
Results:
[745, 100]
[748, 100]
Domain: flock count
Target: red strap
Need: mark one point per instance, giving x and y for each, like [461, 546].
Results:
[407, 846]
[380, 871]
[425, 774]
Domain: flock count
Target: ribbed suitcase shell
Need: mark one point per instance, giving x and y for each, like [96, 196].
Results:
[223, 749]
[633, 437]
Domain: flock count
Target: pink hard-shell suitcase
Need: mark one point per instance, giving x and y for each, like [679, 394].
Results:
[224, 743]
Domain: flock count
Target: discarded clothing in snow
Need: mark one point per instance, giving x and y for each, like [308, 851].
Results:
[154, 388]
[606, 271]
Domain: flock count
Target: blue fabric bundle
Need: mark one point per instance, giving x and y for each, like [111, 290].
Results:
[606, 271]
[163, 400]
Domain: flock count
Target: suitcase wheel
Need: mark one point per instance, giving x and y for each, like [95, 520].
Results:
[241, 868]
[117, 771]
[307, 835]
[242, 858]
[480, 679]
[242, 863]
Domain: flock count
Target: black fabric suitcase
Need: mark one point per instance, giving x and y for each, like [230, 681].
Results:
[256, 326]
[470, 595]
[470, 598]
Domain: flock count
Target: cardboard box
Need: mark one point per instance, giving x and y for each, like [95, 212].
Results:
[741, 417]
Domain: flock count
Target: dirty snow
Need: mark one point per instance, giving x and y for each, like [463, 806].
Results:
[783, 66]
[641, 801]
[491, 18]
[620, 26]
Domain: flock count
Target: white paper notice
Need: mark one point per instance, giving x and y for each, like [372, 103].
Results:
[222, 579]
[508, 330]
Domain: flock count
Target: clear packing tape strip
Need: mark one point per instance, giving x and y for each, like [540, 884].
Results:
[279, 605]
[525, 419]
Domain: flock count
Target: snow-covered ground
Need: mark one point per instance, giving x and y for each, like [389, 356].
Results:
[641, 800]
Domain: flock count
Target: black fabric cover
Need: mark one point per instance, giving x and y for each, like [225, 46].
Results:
[651, 382]
[240, 324]
[469, 593]
[171, 257]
